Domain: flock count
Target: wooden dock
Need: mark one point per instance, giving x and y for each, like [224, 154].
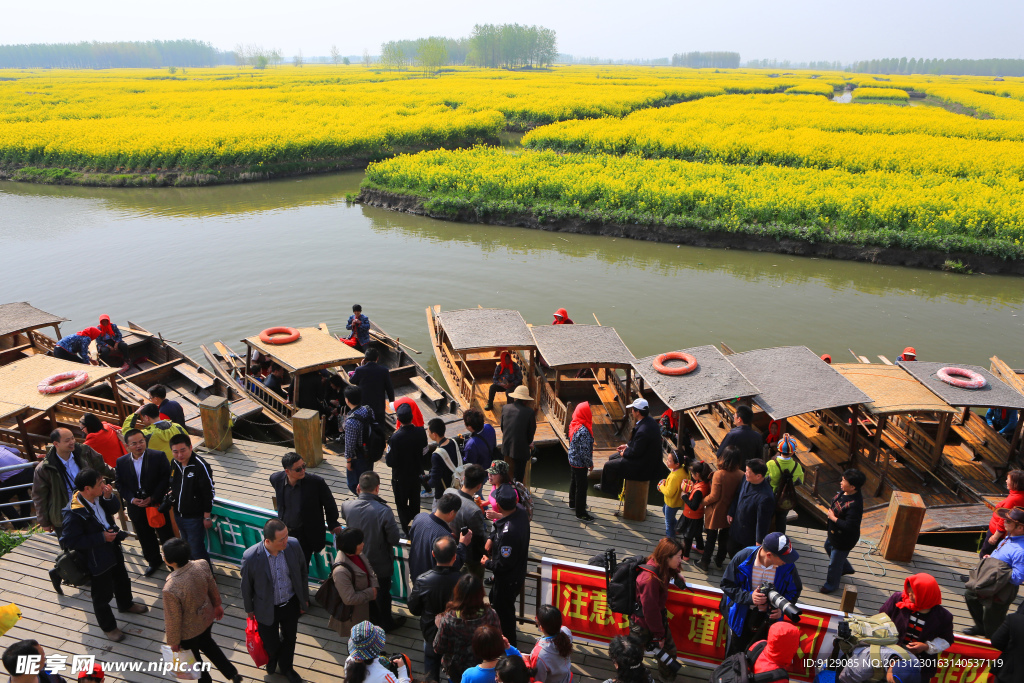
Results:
[66, 625]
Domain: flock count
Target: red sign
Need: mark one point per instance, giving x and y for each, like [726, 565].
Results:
[699, 630]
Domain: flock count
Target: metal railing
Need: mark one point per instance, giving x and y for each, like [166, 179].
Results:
[19, 487]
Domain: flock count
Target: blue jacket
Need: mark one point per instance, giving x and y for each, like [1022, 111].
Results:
[424, 530]
[736, 586]
[77, 344]
[752, 510]
[480, 447]
[361, 331]
[995, 420]
[83, 532]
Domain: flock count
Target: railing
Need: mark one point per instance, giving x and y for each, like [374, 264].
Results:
[18, 487]
[14, 438]
[100, 407]
[42, 341]
[551, 405]
[270, 399]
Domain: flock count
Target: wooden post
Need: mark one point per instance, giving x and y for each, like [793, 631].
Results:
[854, 426]
[306, 425]
[30, 451]
[940, 437]
[876, 446]
[849, 600]
[883, 421]
[634, 500]
[215, 413]
[902, 526]
[1015, 441]
[569, 407]
[121, 412]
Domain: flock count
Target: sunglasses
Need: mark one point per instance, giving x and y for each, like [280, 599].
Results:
[300, 468]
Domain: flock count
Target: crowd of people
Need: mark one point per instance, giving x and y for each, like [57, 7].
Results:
[468, 620]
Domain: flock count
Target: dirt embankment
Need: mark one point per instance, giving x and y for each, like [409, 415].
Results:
[931, 259]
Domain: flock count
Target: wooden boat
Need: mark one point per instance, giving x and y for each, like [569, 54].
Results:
[20, 336]
[562, 365]
[325, 351]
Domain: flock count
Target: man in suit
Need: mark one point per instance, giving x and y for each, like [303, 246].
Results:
[375, 381]
[143, 477]
[275, 591]
[518, 427]
[404, 456]
[303, 503]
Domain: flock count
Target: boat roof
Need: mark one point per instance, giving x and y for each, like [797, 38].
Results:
[8, 409]
[314, 349]
[22, 316]
[19, 380]
[715, 379]
[793, 380]
[892, 389]
[485, 328]
[995, 394]
[564, 346]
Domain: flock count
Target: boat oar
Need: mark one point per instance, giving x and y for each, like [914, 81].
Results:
[401, 343]
[595, 318]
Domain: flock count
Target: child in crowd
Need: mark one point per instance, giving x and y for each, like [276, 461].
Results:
[488, 646]
[550, 656]
[670, 488]
[693, 493]
[512, 670]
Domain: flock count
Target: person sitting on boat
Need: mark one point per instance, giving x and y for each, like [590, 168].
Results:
[482, 439]
[110, 345]
[908, 354]
[562, 317]
[1002, 420]
[75, 347]
[275, 380]
[334, 399]
[507, 376]
[640, 459]
[158, 432]
[169, 408]
[925, 627]
[827, 358]
[996, 527]
[265, 368]
[359, 324]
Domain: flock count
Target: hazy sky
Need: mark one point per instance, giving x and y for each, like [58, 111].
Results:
[799, 30]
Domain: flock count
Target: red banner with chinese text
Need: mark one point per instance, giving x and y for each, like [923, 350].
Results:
[699, 631]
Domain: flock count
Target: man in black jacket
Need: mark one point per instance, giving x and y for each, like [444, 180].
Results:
[640, 459]
[509, 548]
[404, 456]
[752, 509]
[375, 381]
[305, 504]
[89, 528]
[430, 526]
[844, 516]
[429, 597]
[1009, 638]
[518, 427]
[191, 495]
[371, 515]
[143, 477]
[472, 517]
[743, 436]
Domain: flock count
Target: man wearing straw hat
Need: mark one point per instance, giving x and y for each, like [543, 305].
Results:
[518, 427]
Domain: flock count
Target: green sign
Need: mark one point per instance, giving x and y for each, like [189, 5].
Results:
[237, 526]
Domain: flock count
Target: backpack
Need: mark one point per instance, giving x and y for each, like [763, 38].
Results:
[457, 470]
[374, 441]
[739, 668]
[878, 629]
[524, 499]
[328, 597]
[785, 496]
[72, 568]
[620, 580]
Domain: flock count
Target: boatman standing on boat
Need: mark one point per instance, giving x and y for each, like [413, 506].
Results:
[359, 324]
[562, 317]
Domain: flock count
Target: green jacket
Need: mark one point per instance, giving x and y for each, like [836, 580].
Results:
[49, 491]
[158, 434]
[777, 465]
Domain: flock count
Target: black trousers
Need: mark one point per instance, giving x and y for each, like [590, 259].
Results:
[204, 644]
[17, 511]
[59, 352]
[113, 583]
[755, 628]
[383, 616]
[308, 545]
[149, 538]
[503, 596]
[519, 468]
[578, 486]
[493, 391]
[780, 520]
[734, 546]
[118, 351]
[615, 471]
[407, 500]
[279, 638]
[722, 537]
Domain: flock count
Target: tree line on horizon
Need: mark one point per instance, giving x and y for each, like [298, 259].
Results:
[113, 55]
[707, 60]
[507, 46]
[941, 67]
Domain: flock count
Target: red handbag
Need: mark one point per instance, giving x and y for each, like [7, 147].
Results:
[254, 643]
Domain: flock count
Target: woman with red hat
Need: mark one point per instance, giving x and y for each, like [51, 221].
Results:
[908, 354]
[925, 627]
[562, 317]
[110, 344]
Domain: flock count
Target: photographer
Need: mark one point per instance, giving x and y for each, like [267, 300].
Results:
[363, 665]
[89, 527]
[745, 607]
[650, 627]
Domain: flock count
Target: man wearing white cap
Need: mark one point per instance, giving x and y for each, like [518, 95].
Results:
[640, 459]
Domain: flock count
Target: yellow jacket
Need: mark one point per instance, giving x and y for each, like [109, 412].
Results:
[158, 434]
[672, 488]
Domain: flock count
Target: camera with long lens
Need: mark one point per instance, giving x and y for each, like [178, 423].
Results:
[778, 601]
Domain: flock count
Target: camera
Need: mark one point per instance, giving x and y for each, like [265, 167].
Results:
[165, 506]
[463, 531]
[121, 535]
[778, 601]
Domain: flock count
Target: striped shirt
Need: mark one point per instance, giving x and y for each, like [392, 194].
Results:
[759, 575]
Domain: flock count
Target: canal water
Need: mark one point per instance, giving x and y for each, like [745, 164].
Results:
[202, 264]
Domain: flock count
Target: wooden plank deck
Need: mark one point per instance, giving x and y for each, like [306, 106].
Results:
[66, 625]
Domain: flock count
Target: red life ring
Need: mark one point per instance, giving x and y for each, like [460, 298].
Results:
[66, 381]
[972, 380]
[691, 363]
[279, 335]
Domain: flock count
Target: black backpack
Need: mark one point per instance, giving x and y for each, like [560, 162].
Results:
[785, 499]
[71, 569]
[738, 668]
[621, 583]
[374, 441]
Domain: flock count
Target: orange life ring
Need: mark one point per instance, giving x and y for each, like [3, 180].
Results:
[971, 379]
[65, 381]
[279, 335]
[691, 363]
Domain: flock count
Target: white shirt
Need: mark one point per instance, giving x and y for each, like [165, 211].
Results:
[137, 463]
[72, 469]
[97, 511]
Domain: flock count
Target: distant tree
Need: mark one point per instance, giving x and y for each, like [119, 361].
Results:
[366, 57]
[345, 61]
[335, 55]
[717, 60]
[393, 57]
[297, 60]
[512, 46]
[431, 54]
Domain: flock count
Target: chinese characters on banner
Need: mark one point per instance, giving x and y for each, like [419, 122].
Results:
[579, 591]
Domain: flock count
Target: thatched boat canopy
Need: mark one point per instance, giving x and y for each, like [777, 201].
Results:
[581, 346]
[477, 329]
[8, 409]
[793, 380]
[22, 316]
[314, 350]
[995, 393]
[19, 380]
[715, 379]
[892, 389]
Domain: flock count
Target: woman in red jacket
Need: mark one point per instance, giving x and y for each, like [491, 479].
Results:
[996, 527]
[778, 653]
[104, 438]
[652, 584]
